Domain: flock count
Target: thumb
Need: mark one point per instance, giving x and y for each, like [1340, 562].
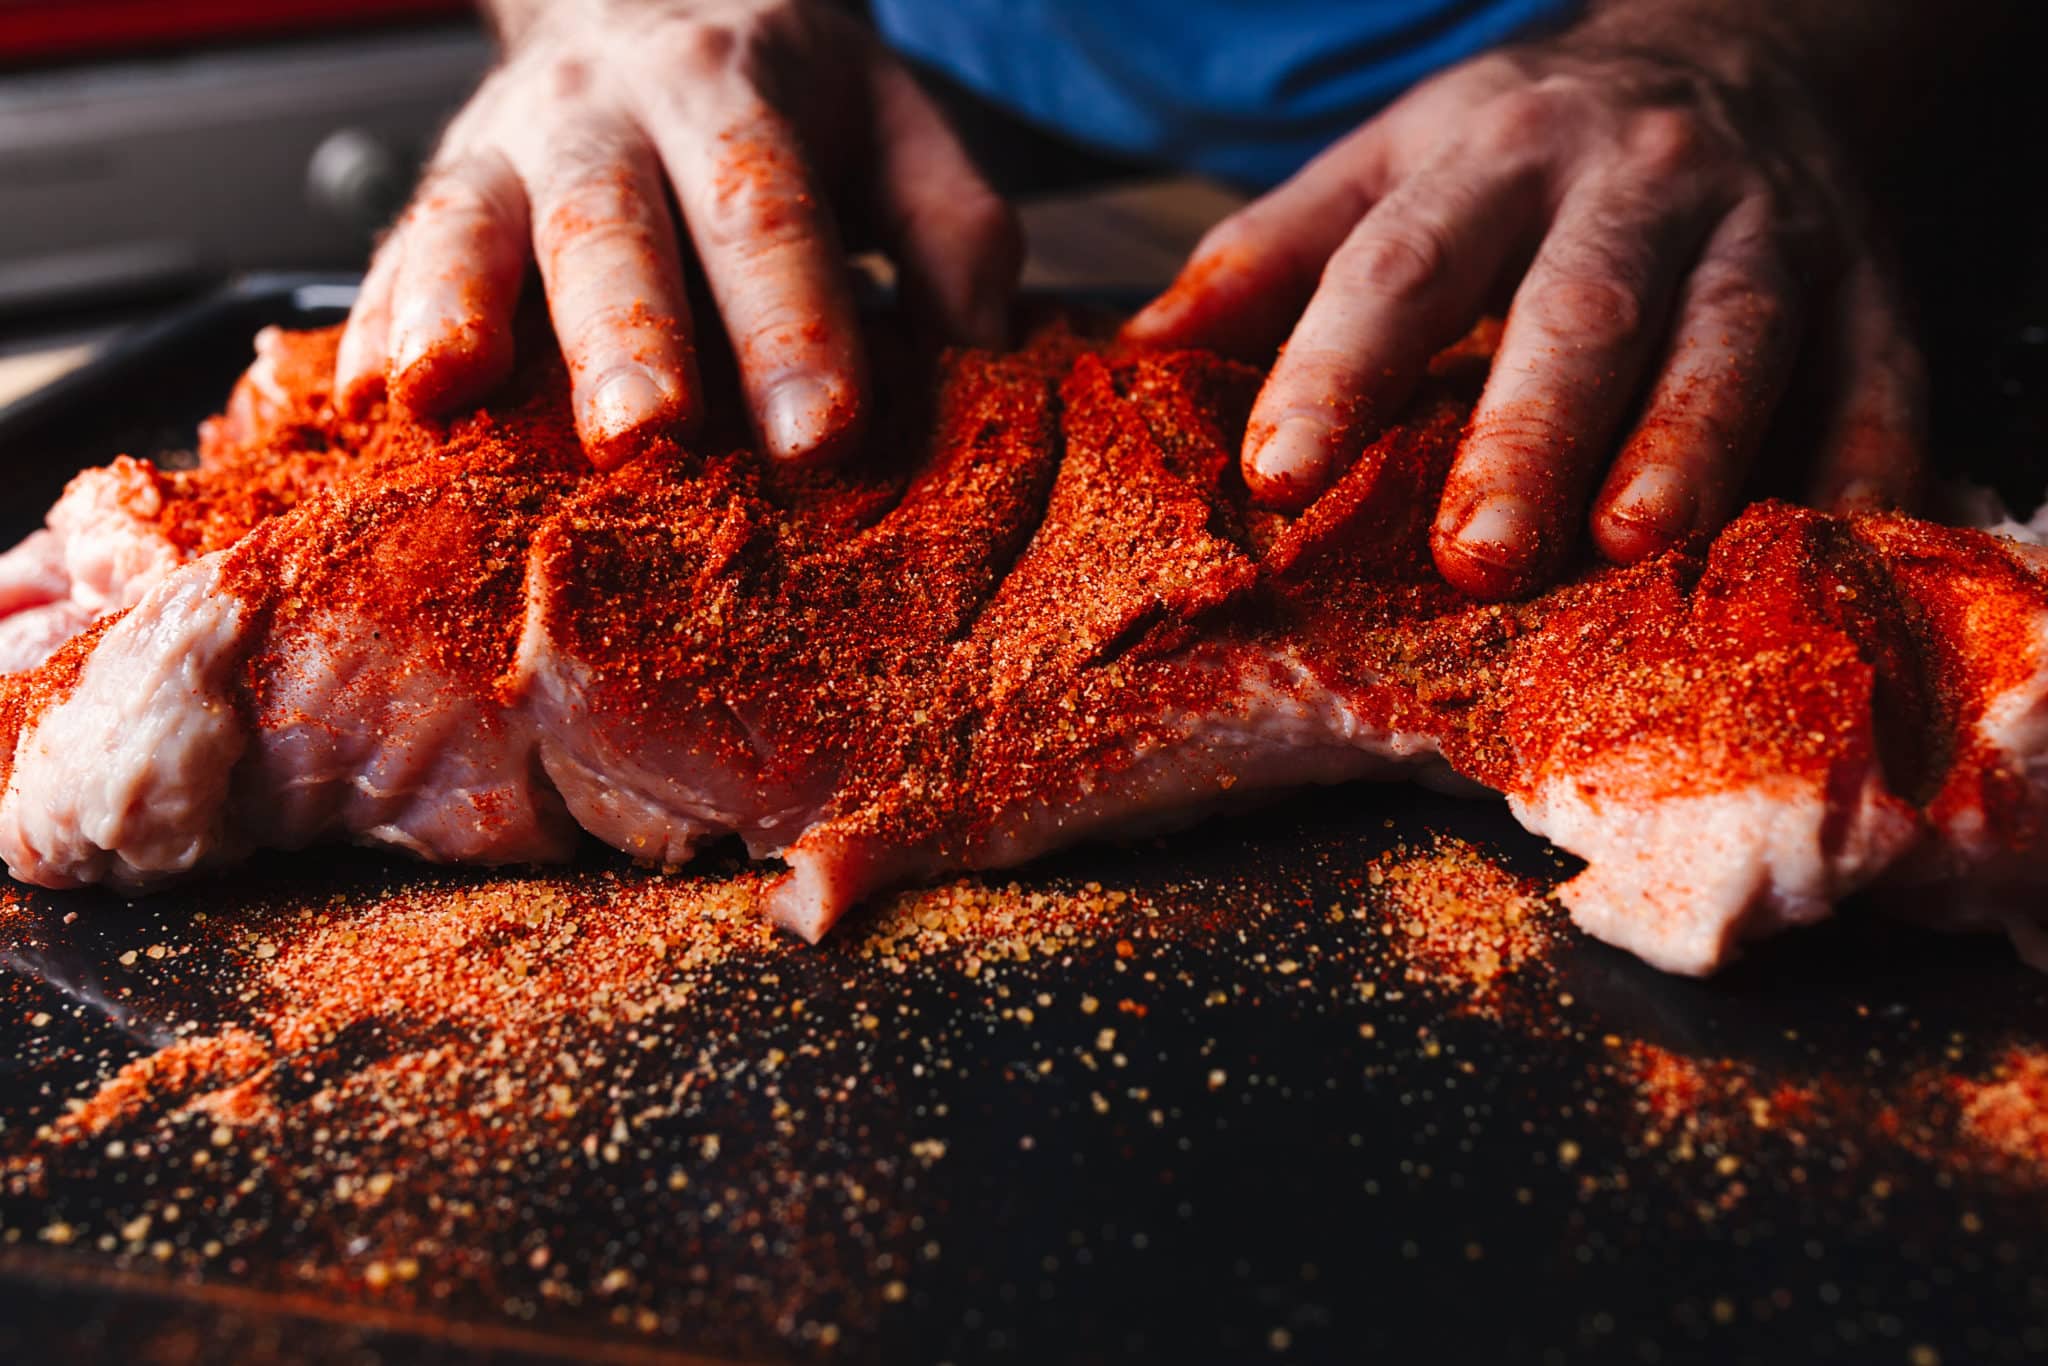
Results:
[1252, 274]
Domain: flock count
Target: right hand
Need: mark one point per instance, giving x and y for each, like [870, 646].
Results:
[763, 117]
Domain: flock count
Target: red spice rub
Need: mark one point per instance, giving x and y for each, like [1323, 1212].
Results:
[1006, 604]
[787, 616]
[25, 696]
[198, 1072]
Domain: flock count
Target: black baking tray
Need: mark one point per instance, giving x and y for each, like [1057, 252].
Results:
[1391, 1177]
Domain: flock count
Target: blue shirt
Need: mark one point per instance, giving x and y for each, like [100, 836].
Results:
[1243, 89]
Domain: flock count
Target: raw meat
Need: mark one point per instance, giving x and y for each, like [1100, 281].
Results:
[1041, 609]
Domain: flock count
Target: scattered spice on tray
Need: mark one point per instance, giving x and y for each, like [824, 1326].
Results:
[2006, 1113]
[1728, 1110]
[973, 922]
[1716, 1103]
[1460, 921]
[419, 1091]
[401, 1060]
[204, 1072]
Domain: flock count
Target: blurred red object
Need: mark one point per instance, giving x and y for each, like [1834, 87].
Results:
[43, 29]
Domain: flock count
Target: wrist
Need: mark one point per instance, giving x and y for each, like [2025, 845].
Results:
[1728, 44]
[1772, 76]
[1857, 66]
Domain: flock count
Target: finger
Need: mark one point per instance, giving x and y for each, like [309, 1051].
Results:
[1249, 277]
[770, 254]
[1407, 281]
[361, 358]
[1873, 451]
[614, 282]
[1680, 471]
[956, 239]
[466, 246]
[1577, 340]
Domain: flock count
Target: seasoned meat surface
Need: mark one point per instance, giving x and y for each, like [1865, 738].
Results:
[1039, 610]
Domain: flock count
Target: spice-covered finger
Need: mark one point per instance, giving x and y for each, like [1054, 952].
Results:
[1680, 471]
[466, 247]
[363, 355]
[1247, 280]
[955, 239]
[1873, 450]
[608, 259]
[1577, 341]
[1406, 282]
[771, 253]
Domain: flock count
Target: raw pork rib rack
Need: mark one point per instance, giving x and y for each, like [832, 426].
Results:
[1040, 610]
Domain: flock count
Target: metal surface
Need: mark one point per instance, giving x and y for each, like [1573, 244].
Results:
[1269, 1162]
[180, 168]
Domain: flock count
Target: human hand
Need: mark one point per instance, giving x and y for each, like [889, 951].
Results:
[1673, 234]
[777, 124]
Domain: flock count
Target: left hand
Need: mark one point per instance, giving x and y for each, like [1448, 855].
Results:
[1675, 234]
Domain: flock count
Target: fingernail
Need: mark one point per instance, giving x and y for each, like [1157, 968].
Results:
[1658, 501]
[1288, 466]
[1501, 531]
[1862, 495]
[615, 418]
[800, 415]
[412, 377]
[357, 393]
[1193, 293]
[1153, 319]
[623, 401]
[408, 344]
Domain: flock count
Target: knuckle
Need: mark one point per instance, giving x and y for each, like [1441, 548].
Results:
[1685, 432]
[591, 244]
[696, 49]
[591, 204]
[614, 326]
[1666, 143]
[738, 41]
[1516, 125]
[752, 236]
[1752, 295]
[1491, 72]
[568, 77]
[753, 224]
[1594, 310]
[1317, 381]
[758, 202]
[474, 189]
[781, 334]
[1401, 261]
[1505, 442]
